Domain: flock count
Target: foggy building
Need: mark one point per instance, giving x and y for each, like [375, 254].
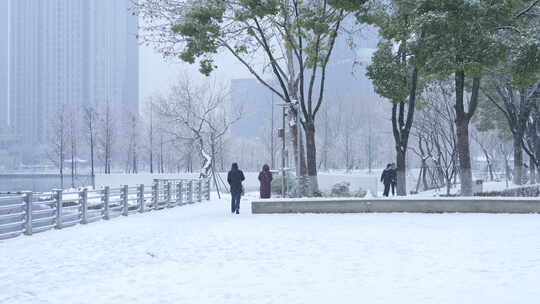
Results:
[345, 80]
[4, 54]
[113, 54]
[255, 99]
[71, 52]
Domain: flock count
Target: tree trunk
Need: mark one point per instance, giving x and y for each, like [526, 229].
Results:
[401, 171]
[465, 173]
[462, 130]
[532, 171]
[401, 127]
[518, 161]
[536, 137]
[294, 135]
[507, 169]
[311, 152]
[424, 171]
[92, 173]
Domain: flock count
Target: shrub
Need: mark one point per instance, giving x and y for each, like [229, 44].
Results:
[341, 190]
[276, 183]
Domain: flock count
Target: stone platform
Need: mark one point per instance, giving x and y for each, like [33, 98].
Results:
[406, 204]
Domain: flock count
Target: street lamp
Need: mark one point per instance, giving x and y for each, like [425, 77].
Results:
[295, 108]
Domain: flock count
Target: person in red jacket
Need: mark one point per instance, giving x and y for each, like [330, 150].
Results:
[265, 178]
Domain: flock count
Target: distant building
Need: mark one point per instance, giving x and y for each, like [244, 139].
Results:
[256, 102]
[113, 54]
[66, 52]
[345, 79]
[4, 57]
[10, 146]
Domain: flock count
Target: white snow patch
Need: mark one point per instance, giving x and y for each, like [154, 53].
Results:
[203, 254]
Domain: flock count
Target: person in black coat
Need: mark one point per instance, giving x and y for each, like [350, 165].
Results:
[235, 179]
[394, 179]
[387, 178]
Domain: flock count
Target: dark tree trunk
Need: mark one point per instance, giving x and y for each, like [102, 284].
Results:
[532, 171]
[462, 129]
[465, 173]
[490, 170]
[401, 127]
[518, 161]
[401, 179]
[311, 153]
[424, 173]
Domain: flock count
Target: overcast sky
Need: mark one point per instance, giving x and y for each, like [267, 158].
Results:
[157, 73]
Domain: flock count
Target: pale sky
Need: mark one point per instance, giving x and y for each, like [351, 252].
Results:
[158, 73]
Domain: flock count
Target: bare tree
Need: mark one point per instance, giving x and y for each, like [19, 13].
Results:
[516, 105]
[488, 142]
[73, 138]
[90, 129]
[289, 37]
[197, 115]
[132, 125]
[106, 136]
[436, 133]
[59, 139]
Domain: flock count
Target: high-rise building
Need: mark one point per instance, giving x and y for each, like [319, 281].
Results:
[256, 99]
[4, 74]
[71, 52]
[113, 57]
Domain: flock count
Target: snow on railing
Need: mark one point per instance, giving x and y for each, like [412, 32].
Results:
[31, 212]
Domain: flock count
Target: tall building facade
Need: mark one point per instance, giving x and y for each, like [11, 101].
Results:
[71, 52]
[113, 54]
[4, 72]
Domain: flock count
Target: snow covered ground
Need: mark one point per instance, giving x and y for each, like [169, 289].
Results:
[203, 254]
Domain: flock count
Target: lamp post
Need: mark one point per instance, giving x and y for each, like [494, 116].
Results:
[295, 108]
[272, 135]
[281, 134]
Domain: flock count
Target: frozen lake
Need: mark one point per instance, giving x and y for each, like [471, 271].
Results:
[203, 254]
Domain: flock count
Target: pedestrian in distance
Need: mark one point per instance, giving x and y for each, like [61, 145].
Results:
[394, 179]
[386, 179]
[235, 177]
[265, 179]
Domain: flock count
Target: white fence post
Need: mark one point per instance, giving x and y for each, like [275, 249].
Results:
[208, 184]
[141, 198]
[105, 198]
[125, 193]
[200, 192]
[59, 207]
[168, 197]
[191, 200]
[179, 193]
[155, 195]
[83, 198]
[28, 209]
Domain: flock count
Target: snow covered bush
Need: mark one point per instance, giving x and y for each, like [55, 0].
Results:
[360, 193]
[341, 190]
[276, 183]
[530, 191]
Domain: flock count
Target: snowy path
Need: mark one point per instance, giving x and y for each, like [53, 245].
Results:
[203, 254]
